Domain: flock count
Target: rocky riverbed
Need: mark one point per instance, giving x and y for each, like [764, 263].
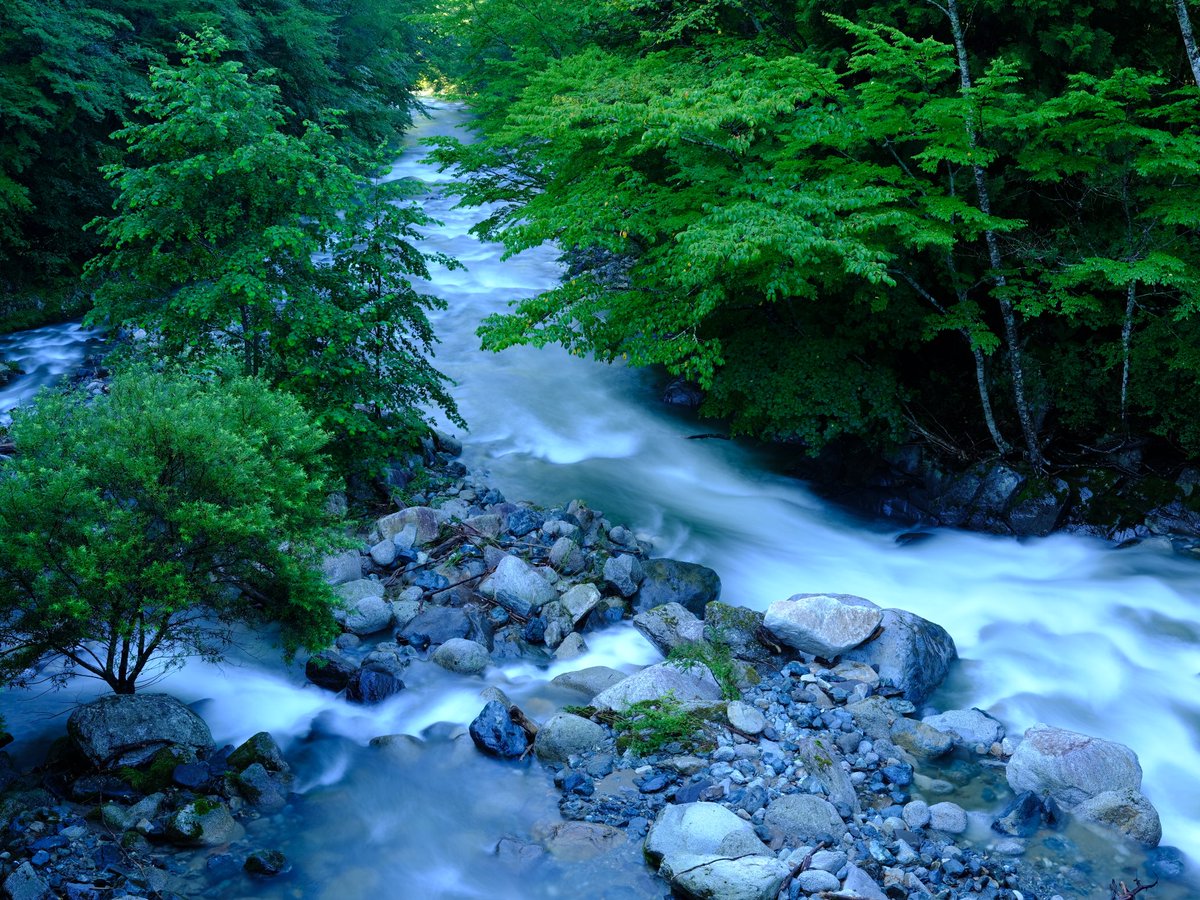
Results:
[790, 752]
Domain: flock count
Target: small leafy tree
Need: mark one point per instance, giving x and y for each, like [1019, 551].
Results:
[141, 527]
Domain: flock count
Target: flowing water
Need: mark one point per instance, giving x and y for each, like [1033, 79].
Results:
[44, 355]
[1061, 630]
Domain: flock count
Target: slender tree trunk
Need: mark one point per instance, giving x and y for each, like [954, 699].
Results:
[1011, 337]
[1189, 39]
[1126, 339]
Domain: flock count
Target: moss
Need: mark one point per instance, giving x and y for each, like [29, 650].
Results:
[717, 657]
[649, 725]
[205, 805]
[154, 776]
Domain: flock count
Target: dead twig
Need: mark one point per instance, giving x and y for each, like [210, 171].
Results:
[1120, 891]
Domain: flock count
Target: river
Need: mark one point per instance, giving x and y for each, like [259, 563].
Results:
[1063, 630]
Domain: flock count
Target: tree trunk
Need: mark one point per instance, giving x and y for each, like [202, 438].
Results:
[1011, 338]
[1189, 39]
[985, 399]
[1126, 340]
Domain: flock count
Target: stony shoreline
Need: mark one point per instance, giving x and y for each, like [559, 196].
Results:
[801, 761]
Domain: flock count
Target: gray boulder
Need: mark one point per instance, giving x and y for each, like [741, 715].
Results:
[704, 829]
[912, 652]
[694, 686]
[738, 628]
[573, 646]
[668, 626]
[824, 625]
[860, 885]
[1071, 767]
[462, 656]
[804, 819]
[342, 567]
[496, 734]
[261, 748]
[970, 727]
[745, 718]
[921, 739]
[439, 624]
[567, 557]
[624, 573]
[518, 587]
[128, 729]
[364, 610]
[1126, 811]
[330, 670]
[579, 601]
[671, 581]
[426, 521]
[202, 823]
[948, 818]
[262, 789]
[823, 761]
[566, 734]
[590, 681]
[384, 553]
[722, 878]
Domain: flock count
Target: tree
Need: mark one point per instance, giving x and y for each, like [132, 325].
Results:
[141, 527]
[233, 235]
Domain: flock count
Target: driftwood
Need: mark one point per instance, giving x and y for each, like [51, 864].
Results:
[800, 867]
[1120, 891]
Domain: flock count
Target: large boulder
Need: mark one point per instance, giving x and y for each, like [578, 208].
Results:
[671, 581]
[496, 734]
[693, 686]
[706, 829]
[363, 610]
[518, 587]
[437, 623]
[427, 523]
[804, 819]
[911, 652]
[824, 625]
[668, 626]
[623, 574]
[721, 878]
[970, 727]
[462, 656]
[128, 729]
[566, 734]
[1126, 811]
[590, 681]
[1071, 767]
[340, 568]
[371, 685]
[738, 628]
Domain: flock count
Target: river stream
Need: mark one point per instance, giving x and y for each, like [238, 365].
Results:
[1063, 630]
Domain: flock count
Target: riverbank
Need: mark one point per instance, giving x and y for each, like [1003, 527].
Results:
[819, 772]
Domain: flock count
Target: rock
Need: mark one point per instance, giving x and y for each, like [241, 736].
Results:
[948, 818]
[694, 686]
[745, 718]
[364, 610]
[860, 885]
[623, 573]
[704, 829]
[330, 670]
[518, 587]
[261, 748]
[26, 884]
[814, 881]
[590, 681]
[384, 553]
[670, 581]
[922, 739]
[738, 627]
[260, 789]
[911, 652]
[369, 686]
[462, 656]
[822, 625]
[572, 842]
[266, 863]
[1071, 767]
[557, 622]
[1025, 815]
[682, 392]
[437, 624]
[202, 823]
[122, 818]
[971, 727]
[566, 734]
[496, 734]
[668, 626]
[875, 717]
[804, 819]
[342, 567]
[567, 557]
[579, 601]
[128, 729]
[916, 814]
[523, 520]
[720, 878]
[426, 521]
[1126, 811]
[823, 761]
[573, 646]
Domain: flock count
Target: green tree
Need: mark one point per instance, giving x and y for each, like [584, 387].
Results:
[233, 235]
[141, 527]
